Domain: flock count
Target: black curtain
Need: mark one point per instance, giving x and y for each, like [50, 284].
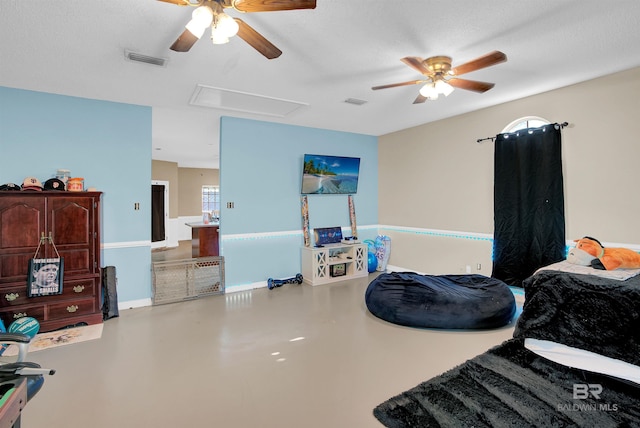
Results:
[528, 203]
[157, 213]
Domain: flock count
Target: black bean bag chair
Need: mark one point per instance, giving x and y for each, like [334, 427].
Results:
[444, 301]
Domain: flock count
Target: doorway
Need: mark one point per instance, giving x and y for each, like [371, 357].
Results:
[159, 213]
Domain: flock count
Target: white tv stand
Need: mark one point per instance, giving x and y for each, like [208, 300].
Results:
[319, 262]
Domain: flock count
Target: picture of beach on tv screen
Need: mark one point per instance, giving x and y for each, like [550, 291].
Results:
[330, 175]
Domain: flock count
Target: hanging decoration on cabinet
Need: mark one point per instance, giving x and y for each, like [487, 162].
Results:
[45, 274]
[305, 221]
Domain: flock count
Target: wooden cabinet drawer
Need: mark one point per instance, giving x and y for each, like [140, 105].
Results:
[10, 315]
[47, 311]
[79, 288]
[53, 315]
[71, 308]
[73, 289]
[13, 296]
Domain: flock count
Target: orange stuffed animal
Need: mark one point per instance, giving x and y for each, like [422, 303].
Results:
[608, 258]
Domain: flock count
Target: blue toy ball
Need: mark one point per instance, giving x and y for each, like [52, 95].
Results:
[373, 262]
[26, 325]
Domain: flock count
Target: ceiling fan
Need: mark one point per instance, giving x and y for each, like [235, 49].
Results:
[210, 13]
[441, 78]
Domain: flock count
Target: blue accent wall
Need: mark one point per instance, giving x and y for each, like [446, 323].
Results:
[106, 143]
[261, 174]
[109, 145]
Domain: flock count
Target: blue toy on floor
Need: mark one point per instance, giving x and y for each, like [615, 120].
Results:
[372, 260]
[273, 283]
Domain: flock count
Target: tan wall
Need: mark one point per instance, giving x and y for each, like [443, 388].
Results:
[436, 176]
[185, 186]
[190, 185]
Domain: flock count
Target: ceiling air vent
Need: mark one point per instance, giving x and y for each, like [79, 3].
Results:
[138, 57]
[355, 101]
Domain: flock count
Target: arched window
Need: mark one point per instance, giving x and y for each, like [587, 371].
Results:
[524, 123]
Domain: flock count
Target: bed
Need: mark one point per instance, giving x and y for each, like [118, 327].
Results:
[574, 360]
[570, 308]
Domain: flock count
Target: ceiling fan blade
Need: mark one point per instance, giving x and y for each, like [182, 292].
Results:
[416, 63]
[420, 99]
[470, 85]
[184, 42]
[492, 58]
[394, 85]
[178, 2]
[257, 41]
[272, 5]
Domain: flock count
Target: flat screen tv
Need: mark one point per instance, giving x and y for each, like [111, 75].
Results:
[330, 175]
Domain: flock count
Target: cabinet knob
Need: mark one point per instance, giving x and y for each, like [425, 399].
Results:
[19, 315]
[11, 297]
[78, 288]
[72, 308]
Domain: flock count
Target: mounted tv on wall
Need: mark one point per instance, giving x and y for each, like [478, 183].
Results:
[330, 175]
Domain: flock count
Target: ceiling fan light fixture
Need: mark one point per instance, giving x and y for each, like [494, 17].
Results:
[429, 91]
[443, 87]
[223, 27]
[437, 69]
[201, 19]
[218, 38]
[208, 12]
[226, 25]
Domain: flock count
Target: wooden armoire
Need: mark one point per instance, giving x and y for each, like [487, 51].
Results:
[72, 221]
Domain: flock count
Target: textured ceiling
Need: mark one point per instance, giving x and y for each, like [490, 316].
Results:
[337, 51]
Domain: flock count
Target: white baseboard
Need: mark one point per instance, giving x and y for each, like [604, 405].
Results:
[246, 287]
[132, 304]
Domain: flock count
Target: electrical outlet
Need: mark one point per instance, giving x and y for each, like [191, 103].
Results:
[479, 266]
[230, 205]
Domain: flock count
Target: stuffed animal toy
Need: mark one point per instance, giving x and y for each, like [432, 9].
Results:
[608, 258]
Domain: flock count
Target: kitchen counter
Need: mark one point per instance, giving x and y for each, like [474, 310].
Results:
[204, 239]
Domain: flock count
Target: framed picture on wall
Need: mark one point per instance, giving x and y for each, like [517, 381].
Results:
[323, 174]
[45, 277]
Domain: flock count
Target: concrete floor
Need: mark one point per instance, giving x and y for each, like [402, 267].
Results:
[296, 356]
